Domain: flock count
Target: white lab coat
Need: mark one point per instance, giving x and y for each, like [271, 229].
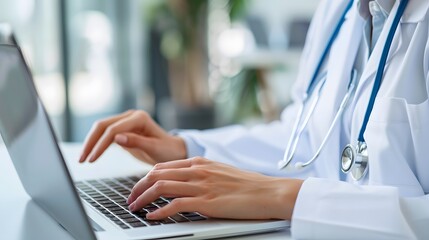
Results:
[390, 202]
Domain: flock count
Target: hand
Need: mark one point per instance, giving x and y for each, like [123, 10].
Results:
[215, 190]
[136, 132]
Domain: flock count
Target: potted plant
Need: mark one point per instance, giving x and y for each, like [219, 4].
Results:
[183, 42]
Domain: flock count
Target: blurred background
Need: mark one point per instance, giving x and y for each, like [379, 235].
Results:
[189, 63]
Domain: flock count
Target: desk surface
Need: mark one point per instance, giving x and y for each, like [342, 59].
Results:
[21, 218]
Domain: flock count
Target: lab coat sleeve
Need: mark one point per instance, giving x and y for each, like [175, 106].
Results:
[193, 149]
[327, 209]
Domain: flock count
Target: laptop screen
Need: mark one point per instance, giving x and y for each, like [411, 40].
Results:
[28, 135]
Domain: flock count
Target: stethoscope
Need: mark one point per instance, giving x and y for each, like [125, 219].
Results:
[354, 159]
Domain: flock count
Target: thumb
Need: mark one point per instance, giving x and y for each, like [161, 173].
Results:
[132, 140]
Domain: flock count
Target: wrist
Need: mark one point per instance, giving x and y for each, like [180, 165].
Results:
[180, 148]
[287, 193]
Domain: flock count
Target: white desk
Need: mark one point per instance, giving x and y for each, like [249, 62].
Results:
[21, 218]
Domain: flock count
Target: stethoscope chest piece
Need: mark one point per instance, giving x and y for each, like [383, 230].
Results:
[354, 160]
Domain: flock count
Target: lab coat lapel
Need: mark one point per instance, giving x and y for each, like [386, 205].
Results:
[373, 61]
[342, 58]
[330, 22]
[415, 12]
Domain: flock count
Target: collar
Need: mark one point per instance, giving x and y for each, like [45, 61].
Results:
[416, 10]
[363, 6]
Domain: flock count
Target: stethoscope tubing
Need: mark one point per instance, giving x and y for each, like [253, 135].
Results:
[298, 129]
[292, 144]
[338, 115]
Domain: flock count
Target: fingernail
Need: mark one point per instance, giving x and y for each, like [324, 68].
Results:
[121, 139]
[90, 157]
[132, 207]
[150, 215]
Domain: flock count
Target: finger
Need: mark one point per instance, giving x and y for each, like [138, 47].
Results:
[123, 125]
[155, 176]
[97, 131]
[132, 140]
[161, 188]
[184, 204]
[184, 163]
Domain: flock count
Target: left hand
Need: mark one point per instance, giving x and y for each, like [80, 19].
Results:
[215, 190]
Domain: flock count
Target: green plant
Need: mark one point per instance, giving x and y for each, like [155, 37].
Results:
[183, 25]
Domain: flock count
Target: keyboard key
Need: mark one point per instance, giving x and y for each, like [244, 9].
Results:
[122, 203]
[115, 209]
[125, 192]
[167, 221]
[109, 182]
[90, 191]
[110, 205]
[131, 220]
[98, 207]
[125, 216]
[85, 198]
[141, 214]
[117, 221]
[122, 180]
[137, 224]
[189, 214]
[151, 209]
[196, 218]
[107, 201]
[99, 198]
[153, 223]
[104, 211]
[134, 179]
[119, 212]
[110, 216]
[160, 201]
[123, 226]
[150, 205]
[179, 218]
[114, 196]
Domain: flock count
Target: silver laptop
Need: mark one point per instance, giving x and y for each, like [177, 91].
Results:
[94, 209]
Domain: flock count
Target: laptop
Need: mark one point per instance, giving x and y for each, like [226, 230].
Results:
[94, 209]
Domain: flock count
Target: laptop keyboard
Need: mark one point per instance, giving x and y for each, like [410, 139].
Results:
[109, 196]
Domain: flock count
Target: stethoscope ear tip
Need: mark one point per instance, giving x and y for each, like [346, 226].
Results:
[289, 168]
[283, 165]
[299, 166]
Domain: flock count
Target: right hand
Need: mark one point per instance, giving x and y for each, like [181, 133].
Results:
[137, 133]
